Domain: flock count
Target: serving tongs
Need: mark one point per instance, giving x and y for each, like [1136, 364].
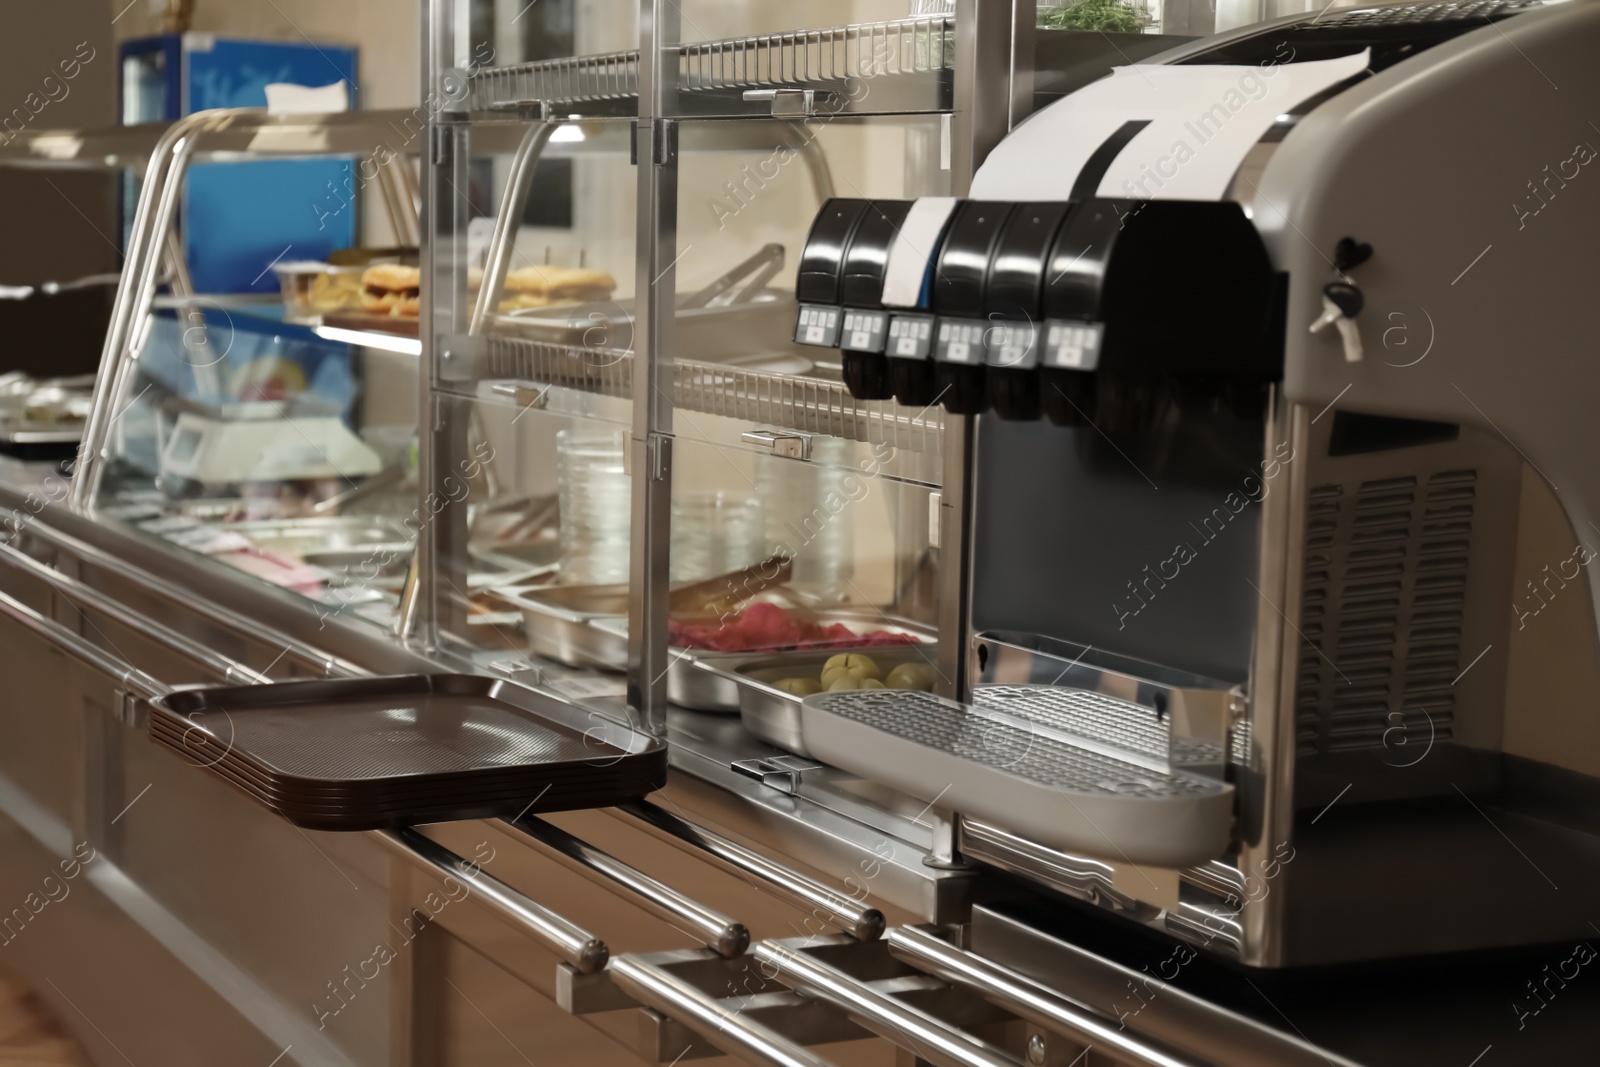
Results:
[709, 594]
[760, 267]
[702, 596]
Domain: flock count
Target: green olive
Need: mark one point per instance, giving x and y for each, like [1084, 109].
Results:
[800, 687]
[911, 676]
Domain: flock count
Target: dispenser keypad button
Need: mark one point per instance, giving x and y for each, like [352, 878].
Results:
[864, 331]
[910, 336]
[1013, 345]
[1072, 345]
[818, 324]
[960, 341]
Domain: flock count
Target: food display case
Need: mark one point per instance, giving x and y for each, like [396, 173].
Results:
[640, 421]
[710, 488]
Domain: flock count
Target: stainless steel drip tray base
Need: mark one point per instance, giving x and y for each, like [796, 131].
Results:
[1078, 794]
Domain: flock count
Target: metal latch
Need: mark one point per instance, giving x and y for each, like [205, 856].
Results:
[935, 521]
[524, 672]
[531, 110]
[783, 773]
[785, 101]
[525, 396]
[130, 709]
[663, 134]
[780, 442]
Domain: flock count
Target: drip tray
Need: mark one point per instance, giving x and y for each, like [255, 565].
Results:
[369, 753]
[1040, 779]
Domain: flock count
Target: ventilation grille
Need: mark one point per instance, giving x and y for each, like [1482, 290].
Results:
[1385, 598]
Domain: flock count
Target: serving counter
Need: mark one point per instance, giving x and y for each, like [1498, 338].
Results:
[177, 921]
[593, 450]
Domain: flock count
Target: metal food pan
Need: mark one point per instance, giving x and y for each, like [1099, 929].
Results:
[701, 679]
[389, 569]
[321, 533]
[773, 715]
[559, 622]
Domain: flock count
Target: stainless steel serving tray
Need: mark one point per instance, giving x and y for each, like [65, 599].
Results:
[773, 715]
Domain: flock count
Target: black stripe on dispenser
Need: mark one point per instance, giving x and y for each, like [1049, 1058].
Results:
[1095, 169]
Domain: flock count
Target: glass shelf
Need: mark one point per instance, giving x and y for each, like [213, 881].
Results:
[267, 309]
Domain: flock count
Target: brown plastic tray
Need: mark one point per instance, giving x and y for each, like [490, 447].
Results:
[362, 753]
[407, 813]
[203, 751]
[255, 779]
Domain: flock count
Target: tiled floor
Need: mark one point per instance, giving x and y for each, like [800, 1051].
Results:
[29, 1035]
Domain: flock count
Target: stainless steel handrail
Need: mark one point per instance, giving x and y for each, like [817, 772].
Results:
[140, 236]
[1020, 996]
[738, 1035]
[519, 182]
[89, 654]
[565, 939]
[716, 931]
[175, 594]
[816, 161]
[828, 905]
[917, 1032]
[77, 593]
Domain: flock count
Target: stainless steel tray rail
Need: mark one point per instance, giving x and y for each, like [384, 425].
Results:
[927, 1037]
[565, 939]
[125, 675]
[331, 666]
[923, 949]
[826, 905]
[79, 596]
[729, 1030]
[717, 932]
[821, 59]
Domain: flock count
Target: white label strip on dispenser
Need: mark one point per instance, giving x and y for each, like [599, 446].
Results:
[1199, 122]
[913, 247]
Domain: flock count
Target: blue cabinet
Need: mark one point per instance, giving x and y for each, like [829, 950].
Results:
[239, 218]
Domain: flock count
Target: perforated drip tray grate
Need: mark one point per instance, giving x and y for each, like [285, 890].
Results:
[1031, 777]
[364, 753]
[1120, 728]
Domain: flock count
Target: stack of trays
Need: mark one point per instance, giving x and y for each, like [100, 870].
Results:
[368, 753]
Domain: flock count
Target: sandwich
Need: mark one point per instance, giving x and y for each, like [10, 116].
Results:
[538, 287]
[392, 289]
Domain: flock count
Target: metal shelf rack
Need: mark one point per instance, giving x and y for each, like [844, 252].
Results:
[824, 60]
[792, 402]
